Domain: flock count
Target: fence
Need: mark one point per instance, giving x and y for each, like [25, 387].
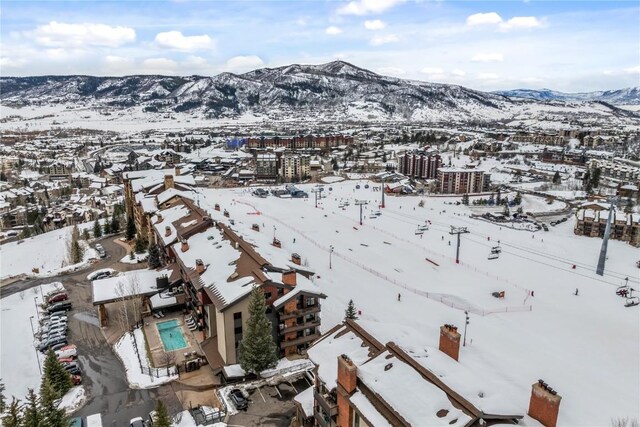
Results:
[152, 372]
[442, 298]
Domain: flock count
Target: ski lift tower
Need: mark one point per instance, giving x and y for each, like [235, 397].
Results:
[458, 231]
[318, 193]
[361, 203]
[605, 242]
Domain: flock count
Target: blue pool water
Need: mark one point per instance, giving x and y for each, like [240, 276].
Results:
[171, 335]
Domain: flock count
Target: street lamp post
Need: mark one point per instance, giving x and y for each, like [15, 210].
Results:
[36, 350]
[35, 302]
[330, 252]
[466, 322]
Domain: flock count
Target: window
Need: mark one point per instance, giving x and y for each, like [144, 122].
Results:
[280, 292]
[267, 295]
[356, 419]
[311, 301]
[237, 330]
[237, 316]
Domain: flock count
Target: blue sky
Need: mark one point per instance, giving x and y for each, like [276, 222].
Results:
[564, 45]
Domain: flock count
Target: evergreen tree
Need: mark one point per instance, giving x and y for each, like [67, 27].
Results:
[556, 178]
[131, 229]
[505, 211]
[13, 416]
[97, 230]
[350, 312]
[56, 375]
[465, 199]
[26, 232]
[107, 227]
[115, 223]
[52, 416]
[518, 199]
[3, 403]
[257, 349]
[85, 234]
[3, 176]
[131, 256]
[75, 251]
[75, 232]
[595, 177]
[628, 208]
[161, 418]
[154, 257]
[32, 417]
[139, 247]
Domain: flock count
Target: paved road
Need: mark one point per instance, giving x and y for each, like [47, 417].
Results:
[103, 375]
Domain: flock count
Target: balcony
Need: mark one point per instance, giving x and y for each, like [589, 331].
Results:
[300, 340]
[300, 312]
[327, 402]
[300, 326]
[324, 420]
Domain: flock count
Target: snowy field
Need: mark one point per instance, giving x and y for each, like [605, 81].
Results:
[554, 335]
[47, 252]
[19, 363]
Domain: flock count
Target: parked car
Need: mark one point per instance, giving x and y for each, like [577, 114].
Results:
[238, 399]
[136, 422]
[75, 422]
[66, 360]
[62, 296]
[67, 351]
[59, 306]
[59, 345]
[72, 368]
[53, 316]
[76, 379]
[53, 333]
[49, 343]
[54, 336]
[101, 250]
[102, 275]
[52, 326]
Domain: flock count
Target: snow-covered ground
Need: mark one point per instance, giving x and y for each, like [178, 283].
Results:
[124, 348]
[136, 258]
[554, 335]
[19, 357]
[46, 252]
[73, 400]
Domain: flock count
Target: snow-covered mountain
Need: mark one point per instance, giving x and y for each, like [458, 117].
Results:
[332, 91]
[628, 96]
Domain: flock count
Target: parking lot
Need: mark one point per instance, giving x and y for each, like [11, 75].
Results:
[270, 405]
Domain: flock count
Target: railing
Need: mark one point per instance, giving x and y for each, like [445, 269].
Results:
[329, 405]
[300, 312]
[300, 340]
[300, 326]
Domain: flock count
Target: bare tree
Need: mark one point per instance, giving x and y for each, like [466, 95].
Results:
[123, 314]
[625, 422]
[133, 288]
[167, 359]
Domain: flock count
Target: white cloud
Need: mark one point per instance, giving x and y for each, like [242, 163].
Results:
[375, 24]
[487, 76]
[6, 62]
[487, 57]
[240, 64]
[117, 62]
[458, 73]
[194, 62]
[60, 34]
[391, 71]
[366, 7]
[380, 40]
[520, 23]
[302, 21]
[629, 71]
[177, 41]
[484, 19]
[432, 70]
[159, 65]
[332, 31]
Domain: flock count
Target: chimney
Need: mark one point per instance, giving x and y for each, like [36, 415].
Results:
[347, 382]
[168, 182]
[450, 341]
[216, 207]
[177, 170]
[185, 246]
[544, 404]
[167, 231]
[200, 268]
[160, 219]
[255, 227]
[295, 258]
[289, 278]
[277, 243]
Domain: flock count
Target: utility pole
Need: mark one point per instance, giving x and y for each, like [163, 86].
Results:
[458, 231]
[466, 322]
[37, 355]
[318, 194]
[330, 252]
[361, 203]
[605, 242]
[382, 204]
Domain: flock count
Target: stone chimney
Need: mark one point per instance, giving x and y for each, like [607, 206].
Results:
[347, 383]
[160, 219]
[289, 278]
[450, 341]
[167, 231]
[200, 268]
[216, 207]
[544, 404]
[185, 246]
[295, 258]
[168, 182]
[177, 170]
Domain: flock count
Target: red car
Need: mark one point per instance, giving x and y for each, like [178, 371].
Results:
[76, 379]
[62, 296]
[66, 360]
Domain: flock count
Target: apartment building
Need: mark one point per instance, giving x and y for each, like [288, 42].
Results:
[294, 143]
[294, 167]
[419, 165]
[462, 181]
[266, 167]
[591, 221]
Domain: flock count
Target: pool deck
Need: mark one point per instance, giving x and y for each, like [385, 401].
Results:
[155, 342]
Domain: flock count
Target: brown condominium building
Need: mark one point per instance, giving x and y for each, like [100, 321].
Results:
[462, 181]
[361, 382]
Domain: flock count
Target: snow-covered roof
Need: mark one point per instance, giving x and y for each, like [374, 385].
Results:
[305, 399]
[160, 300]
[171, 192]
[366, 408]
[302, 285]
[168, 216]
[127, 284]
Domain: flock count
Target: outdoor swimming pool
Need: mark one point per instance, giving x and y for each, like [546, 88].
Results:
[171, 335]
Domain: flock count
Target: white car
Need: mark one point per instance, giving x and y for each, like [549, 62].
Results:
[67, 351]
[136, 422]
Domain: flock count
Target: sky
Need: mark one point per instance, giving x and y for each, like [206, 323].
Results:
[571, 46]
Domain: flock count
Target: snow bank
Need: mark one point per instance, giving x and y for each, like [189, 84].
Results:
[136, 258]
[331, 179]
[19, 358]
[125, 349]
[73, 400]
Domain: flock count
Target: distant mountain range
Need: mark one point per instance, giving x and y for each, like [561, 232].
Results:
[628, 96]
[336, 91]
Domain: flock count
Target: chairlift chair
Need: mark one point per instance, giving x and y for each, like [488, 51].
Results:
[632, 301]
[496, 249]
[493, 255]
[424, 227]
[419, 231]
[623, 290]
